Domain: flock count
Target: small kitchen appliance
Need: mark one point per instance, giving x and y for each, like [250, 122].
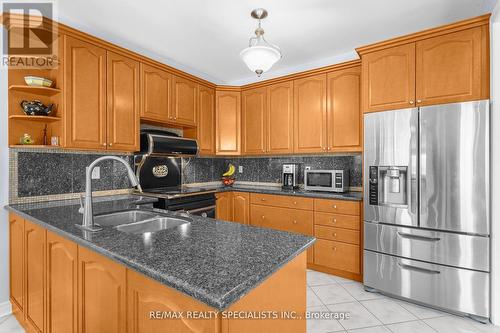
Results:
[326, 180]
[290, 176]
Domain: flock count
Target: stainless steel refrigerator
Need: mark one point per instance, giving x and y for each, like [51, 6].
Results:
[426, 206]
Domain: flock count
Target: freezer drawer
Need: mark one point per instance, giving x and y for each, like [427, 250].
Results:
[445, 248]
[454, 289]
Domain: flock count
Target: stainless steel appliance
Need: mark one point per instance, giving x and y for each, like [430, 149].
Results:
[290, 175]
[326, 180]
[426, 207]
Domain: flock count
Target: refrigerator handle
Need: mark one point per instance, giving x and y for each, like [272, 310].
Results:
[413, 167]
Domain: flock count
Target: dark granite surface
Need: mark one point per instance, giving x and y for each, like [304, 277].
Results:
[213, 261]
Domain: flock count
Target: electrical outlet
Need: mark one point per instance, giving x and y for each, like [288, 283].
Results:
[308, 168]
[96, 173]
[240, 169]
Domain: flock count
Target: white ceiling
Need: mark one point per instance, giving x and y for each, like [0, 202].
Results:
[204, 37]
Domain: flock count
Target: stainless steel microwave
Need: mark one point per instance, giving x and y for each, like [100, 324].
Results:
[326, 180]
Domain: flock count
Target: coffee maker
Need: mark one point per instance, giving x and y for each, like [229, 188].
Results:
[290, 176]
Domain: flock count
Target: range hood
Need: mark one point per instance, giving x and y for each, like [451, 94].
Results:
[164, 143]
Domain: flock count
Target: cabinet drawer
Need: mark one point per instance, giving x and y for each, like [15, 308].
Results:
[281, 201]
[337, 206]
[337, 234]
[286, 219]
[337, 255]
[336, 220]
[446, 287]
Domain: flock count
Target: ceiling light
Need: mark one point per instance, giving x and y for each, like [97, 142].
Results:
[260, 55]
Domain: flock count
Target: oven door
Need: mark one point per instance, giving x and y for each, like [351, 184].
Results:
[203, 211]
[319, 180]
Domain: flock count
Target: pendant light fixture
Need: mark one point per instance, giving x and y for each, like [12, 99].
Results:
[260, 55]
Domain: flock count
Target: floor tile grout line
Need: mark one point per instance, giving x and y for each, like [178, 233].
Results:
[432, 328]
[416, 318]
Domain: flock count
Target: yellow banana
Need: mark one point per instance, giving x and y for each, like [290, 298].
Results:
[230, 171]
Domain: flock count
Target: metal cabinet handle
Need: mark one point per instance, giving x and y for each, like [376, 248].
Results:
[417, 237]
[263, 217]
[419, 101]
[110, 144]
[262, 199]
[104, 145]
[295, 202]
[335, 234]
[418, 269]
[294, 222]
[411, 102]
[334, 220]
[329, 148]
[334, 248]
[334, 206]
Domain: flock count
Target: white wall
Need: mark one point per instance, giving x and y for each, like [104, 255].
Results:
[4, 193]
[495, 164]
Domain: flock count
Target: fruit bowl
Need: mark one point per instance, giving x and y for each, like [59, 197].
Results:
[228, 181]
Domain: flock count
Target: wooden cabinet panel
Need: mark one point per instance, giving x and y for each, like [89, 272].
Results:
[389, 78]
[16, 263]
[309, 109]
[337, 255]
[240, 207]
[279, 119]
[62, 273]
[155, 93]
[223, 206]
[281, 201]
[85, 94]
[34, 240]
[123, 103]
[287, 219]
[146, 296]
[185, 101]
[450, 67]
[337, 234]
[206, 120]
[102, 293]
[253, 116]
[344, 110]
[228, 123]
[336, 220]
[337, 206]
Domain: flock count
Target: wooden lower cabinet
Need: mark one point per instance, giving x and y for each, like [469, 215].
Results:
[62, 286]
[240, 207]
[337, 255]
[16, 265]
[102, 287]
[223, 206]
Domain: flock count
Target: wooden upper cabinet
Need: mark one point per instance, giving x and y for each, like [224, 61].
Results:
[85, 94]
[206, 120]
[34, 241]
[155, 93]
[184, 101]
[61, 288]
[279, 119]
[253, 114]
[344, 110]
[309, 109]
[123, 103]
[241, 207]
[228, 122]
[16, 263]
[452, 67]
[389, 78]
[101, 293]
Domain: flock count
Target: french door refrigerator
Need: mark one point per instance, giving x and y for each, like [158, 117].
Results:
[426, 206]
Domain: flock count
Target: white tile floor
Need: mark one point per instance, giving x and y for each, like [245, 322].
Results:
[369, 312]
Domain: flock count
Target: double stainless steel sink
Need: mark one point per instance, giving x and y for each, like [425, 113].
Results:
[137, 221]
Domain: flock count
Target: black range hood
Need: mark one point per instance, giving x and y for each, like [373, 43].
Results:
[164, 143]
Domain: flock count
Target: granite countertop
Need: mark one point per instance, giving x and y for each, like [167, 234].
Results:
[213, 261]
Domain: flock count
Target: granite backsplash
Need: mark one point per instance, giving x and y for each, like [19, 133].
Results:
[268, 169]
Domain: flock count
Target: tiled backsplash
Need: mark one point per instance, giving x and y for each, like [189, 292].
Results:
[267, 169]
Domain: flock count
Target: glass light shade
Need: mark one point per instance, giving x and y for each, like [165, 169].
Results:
[260, 58]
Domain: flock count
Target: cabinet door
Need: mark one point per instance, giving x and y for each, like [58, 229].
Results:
[102, 293]
[223, 207]
[34, 240]
[206, 120]
[310, 114]
[227, 123]
[253, 115]
[85, 94]
[280, 118]
[450, 68]
[241, 207]
[185, 101]
[62, 272]
[155, 93]
[123, 103]
[389, 78]
[16, 263]
[344, 111]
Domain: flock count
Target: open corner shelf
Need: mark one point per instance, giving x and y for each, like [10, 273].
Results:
[46, 119]
[45, 91]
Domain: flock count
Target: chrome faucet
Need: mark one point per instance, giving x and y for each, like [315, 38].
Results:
[88, 215]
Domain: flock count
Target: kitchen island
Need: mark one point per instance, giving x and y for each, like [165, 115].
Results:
[203, 276]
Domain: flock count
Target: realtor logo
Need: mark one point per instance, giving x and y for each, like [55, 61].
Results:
[29, 39]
